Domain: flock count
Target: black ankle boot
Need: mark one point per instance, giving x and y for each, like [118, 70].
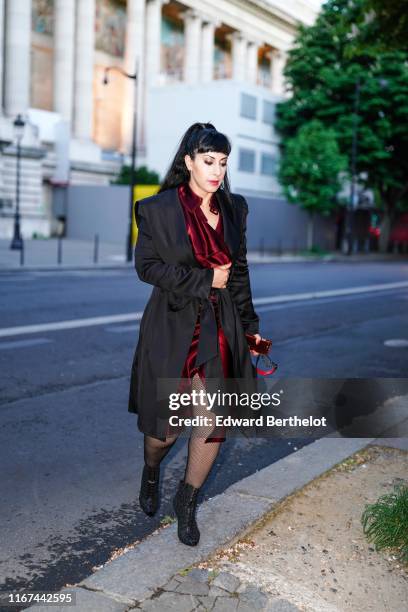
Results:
[184, 504]
[149, 490]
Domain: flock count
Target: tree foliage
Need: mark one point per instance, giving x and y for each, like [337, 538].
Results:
[383, 25]
[311, 168]
[144, 176]
[322, 72]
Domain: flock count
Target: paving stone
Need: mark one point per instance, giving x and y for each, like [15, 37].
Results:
[207, 601]
[85, 601]
[201, 575]
[227, 581]
[281, 605]
[170, 601]
[217, 592]
[245, 607]
[254, 597]
[225, 604]
[192, 587]
[171, 585]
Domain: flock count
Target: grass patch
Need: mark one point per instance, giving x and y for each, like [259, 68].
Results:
[385, 522]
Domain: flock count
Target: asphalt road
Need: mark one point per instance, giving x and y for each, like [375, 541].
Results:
[71, 454]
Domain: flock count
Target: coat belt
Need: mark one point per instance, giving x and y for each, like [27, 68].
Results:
[208, 342]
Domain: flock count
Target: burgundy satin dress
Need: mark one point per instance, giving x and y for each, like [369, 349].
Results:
[210, 250]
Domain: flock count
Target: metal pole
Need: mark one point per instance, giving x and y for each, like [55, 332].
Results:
[129, 249]
[96, 245]
[16, 243]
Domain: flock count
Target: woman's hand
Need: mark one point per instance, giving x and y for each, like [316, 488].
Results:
[221, 274]
[258, 339]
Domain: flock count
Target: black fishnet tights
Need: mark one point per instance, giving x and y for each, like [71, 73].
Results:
[201, 455]
[155, 450]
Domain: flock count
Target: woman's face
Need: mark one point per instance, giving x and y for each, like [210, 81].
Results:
[207, 170]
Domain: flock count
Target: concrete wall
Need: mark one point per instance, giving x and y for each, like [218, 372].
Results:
[278, 224]
[272, 222]
[93, 209]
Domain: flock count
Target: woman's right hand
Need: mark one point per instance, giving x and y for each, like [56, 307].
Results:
[221, 274]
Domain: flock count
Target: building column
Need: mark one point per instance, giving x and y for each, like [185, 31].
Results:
[134, 45]
[153, 41]
[64, 35]
[192, 44]
[278, 60]
[84, 68]
[239, 44]
[207, 51]
[252, 63]
[17, 65]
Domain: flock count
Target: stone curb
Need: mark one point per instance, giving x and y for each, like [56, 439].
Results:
[253, 258]
[137, 575]
[66, 268]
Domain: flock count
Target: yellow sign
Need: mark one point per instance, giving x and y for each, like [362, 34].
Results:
[141, 192]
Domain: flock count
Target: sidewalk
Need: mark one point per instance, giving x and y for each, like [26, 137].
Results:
[42, 254]
[286, 538]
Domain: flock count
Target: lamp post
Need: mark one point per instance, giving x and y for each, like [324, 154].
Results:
[129, 246]
[17, 241]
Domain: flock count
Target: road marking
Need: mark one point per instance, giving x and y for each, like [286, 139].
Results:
[396, 342]
[289, 297]
[71, 324]
[328, 300]
[119, 329]
[136, 316]
[23, 343]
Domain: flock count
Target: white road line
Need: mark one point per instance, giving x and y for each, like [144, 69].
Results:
[71, 324]
[23, 343]
[120, 329]
[289, 297]
[121, 318]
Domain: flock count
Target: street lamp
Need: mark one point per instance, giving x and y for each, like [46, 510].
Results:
[129, 246]
[17, 241]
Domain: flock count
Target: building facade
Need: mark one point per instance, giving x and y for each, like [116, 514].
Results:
[198, 60]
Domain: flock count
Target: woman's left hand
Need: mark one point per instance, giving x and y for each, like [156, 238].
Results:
[258, 339]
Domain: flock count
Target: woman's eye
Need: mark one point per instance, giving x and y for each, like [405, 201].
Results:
[208, 163]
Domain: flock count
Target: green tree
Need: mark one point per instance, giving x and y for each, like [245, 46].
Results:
[144, 176]
[384, 25]
[310, 171]
[322, 71]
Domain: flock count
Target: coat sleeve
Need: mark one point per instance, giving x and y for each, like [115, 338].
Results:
[239, 284]
[181, 279]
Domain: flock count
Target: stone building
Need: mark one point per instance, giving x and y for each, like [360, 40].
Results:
[205, 60]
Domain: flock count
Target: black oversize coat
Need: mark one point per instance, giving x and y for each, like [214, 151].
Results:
[164, 258]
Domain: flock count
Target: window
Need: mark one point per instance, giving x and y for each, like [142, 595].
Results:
[268, 112]
[246, 160]
[268, 164]
[248, 106]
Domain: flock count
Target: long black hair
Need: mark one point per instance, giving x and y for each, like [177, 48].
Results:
[199, 138]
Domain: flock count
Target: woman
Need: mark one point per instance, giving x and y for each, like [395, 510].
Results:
[192, 247]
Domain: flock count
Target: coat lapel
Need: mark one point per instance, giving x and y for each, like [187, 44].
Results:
[231, 223]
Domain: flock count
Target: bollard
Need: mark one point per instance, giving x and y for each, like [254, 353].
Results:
[261, 247]
[59, 255]
[96, 248]
[22, 253]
